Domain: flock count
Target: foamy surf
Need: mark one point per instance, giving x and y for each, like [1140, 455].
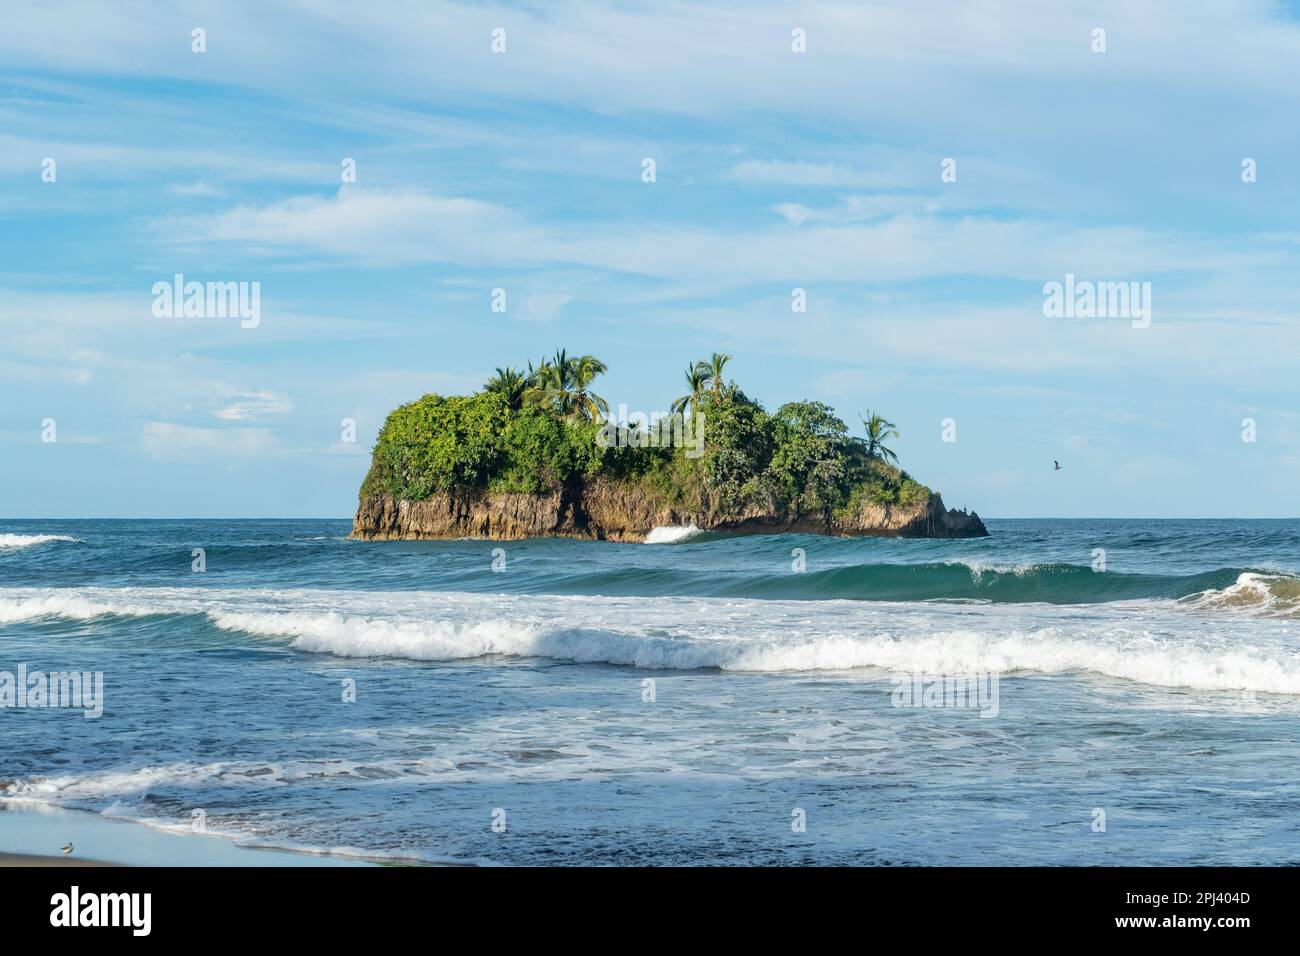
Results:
[15, 541]
[1136, 657]
[1266, 595]
[382, 699]
[71, 606]
[672, 534]
[1135, 641]
[125, 796]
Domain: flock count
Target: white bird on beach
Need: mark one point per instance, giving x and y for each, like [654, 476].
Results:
[67, 848]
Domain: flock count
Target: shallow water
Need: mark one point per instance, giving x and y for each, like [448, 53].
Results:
[1162, 691]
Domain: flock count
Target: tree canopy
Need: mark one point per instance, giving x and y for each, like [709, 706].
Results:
[538, 430]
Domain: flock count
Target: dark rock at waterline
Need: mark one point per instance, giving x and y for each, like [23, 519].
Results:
[613, 511]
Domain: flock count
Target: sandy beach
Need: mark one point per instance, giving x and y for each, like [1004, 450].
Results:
[33, 835]
[31, 859]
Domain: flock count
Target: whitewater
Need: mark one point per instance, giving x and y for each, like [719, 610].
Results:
[671, 703]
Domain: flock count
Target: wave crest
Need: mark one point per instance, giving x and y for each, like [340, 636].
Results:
[1140, 642]
[1135, 656]
[1267, 595]
[672, 534]
[15, 541]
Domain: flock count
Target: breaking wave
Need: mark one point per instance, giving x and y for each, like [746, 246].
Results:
[693, 633]
[15, 541]
[1259, 593]
[672, 534]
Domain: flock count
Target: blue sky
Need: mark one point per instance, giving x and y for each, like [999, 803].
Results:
[774, 170]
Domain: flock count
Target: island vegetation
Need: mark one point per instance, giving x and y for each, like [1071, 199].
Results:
[545, 428]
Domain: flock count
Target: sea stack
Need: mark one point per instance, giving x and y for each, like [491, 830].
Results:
[516, 461]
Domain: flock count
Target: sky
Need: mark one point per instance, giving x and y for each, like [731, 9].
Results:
[775, 169]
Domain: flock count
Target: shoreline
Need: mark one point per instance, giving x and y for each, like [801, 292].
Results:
[32, 835]
[32, 859]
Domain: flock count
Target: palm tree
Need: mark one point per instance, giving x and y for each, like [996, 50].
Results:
[510, 384]
[696, 380]
[564, 383]
[533, 380]
[549, 382]
[878, 429]
[585, 402]
[712, 370]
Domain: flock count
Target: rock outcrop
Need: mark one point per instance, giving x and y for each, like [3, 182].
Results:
[610, 510]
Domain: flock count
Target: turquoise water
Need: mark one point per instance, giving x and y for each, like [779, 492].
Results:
[671, 703]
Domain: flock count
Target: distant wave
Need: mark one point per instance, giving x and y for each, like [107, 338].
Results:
[14, 541]
[932, 581]
[691, 633]
[672, 534]
[69, 605]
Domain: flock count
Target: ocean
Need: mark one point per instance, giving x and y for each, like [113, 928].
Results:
[1062, 692]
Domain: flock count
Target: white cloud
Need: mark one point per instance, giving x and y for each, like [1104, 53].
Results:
[860, 208]
[787, 173]
[164, 441]
[199, 189]
[410, 227]
[82, 160]
[376, 227]
[880, 59]
[252, 405]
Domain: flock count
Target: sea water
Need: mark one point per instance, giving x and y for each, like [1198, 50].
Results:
[706, 699]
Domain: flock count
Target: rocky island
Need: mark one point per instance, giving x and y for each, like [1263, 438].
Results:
[538, 453]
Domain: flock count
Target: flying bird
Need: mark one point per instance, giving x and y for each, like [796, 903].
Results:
[1057, 464]
[67, 848]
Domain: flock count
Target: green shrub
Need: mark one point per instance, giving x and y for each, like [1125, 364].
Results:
[913, 492]
[435, 444]
[799, 460]
[809, 464]
[542, 451]
[737, 446]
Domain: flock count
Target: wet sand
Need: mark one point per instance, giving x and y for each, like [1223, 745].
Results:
[31, 859]
[34, 835]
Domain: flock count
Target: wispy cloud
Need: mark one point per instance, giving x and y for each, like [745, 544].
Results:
[252, 405]
[165, 441]
[776, 170]
[795, 173]
[381, 228]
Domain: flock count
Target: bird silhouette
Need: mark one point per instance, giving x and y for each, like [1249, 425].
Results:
[68, 848]
[1057, 464]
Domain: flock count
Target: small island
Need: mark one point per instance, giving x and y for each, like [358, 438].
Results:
[537, 453]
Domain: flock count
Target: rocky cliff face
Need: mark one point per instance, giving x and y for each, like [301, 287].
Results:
[607, 510]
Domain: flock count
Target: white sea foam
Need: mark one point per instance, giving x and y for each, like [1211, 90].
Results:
[345, 636]
[1266, 595]
[14, 541]
[672, 534]
[112, 793]
[70, 788]
[1150, 643]
[1046, 651]
[69, 605]
[978, 567]
[351, 852]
